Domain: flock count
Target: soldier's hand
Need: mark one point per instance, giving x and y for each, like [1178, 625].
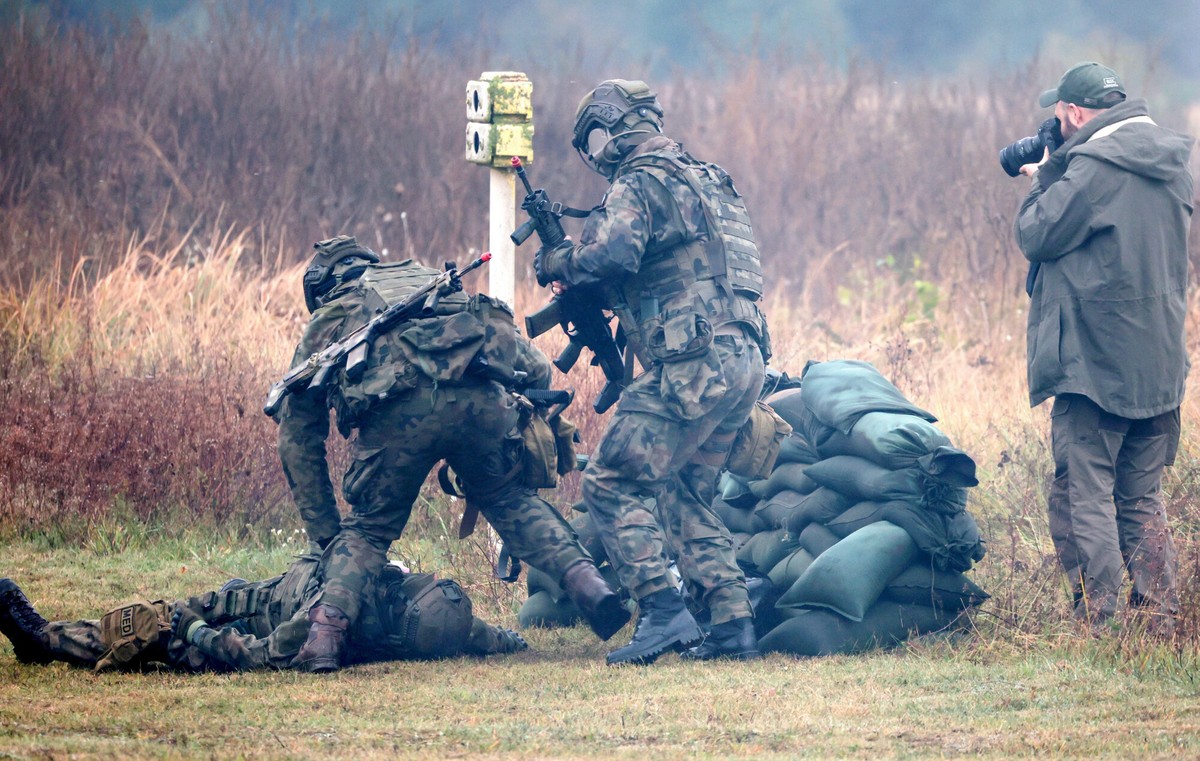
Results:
[185, 622]
[550, 265]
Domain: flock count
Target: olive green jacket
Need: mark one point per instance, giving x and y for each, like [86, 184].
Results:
[1106, 225]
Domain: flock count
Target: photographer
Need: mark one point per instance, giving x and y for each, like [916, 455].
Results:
[1105, 227]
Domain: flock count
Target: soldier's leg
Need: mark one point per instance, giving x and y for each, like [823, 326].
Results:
[1146, 542]
[76, 642]
[1086, 443]
[705, 549]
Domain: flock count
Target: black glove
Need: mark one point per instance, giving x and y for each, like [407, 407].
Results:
[185, 622]
[550, 265]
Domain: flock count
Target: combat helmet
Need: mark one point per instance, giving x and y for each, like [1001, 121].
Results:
[608, 116]
[337, 260]
[425, 617]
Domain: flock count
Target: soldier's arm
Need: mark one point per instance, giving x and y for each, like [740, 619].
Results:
[531, 361]
[303, 428]
[614, 235]
[245, 652]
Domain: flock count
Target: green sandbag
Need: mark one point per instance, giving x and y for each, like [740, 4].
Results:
[887, 439]
[842, 391]
[792, 511]
[849, 577]
[541, 611]
[862, 514]
[810, 432]
[822, 632]
[865, 481]
[786, 477]
[736, 491]
[765, 549]
[742, 521]
[786, 571]
[739, 539]
[816, 539]
[919, 584]
[796, 448]
[539, 581]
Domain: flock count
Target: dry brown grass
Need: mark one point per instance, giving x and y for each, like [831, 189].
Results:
[157, 198]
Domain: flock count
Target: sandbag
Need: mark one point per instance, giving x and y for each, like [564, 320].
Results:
[541, 611]
[736, 491]
[806, 428]
[840, 392]
[849, 577]
[816, 632]
[786, 571]
[785, 477]
[741, 521]
[739, 539]
[792, 511]
[796, 448]
[950, 465]
[952, 541]
[888, 439]
[867, 482]
[816, 539]
[862, 514]
[765, 549]
[919, 584]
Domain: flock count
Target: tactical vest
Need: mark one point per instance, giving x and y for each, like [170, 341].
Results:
[715, 271]
[467, 336]
[264, 605]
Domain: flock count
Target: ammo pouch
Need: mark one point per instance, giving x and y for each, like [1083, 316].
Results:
[757, 443]
[134, 633]
[539, 462]
[676, 336]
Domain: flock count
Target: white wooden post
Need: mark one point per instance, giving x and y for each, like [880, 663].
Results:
[499, 127]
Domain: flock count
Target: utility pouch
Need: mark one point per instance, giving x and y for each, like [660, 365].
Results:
[678, 336]
[130, 631]
[566, 435]
[539, 465]
[757, 443]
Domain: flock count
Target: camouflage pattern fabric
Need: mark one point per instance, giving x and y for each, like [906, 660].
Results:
[473, 428]
[649, 246]
[652, 449]
[418, 403]
[1106, 511]
[269, 637]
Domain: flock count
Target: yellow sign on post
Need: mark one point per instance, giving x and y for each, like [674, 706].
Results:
[499, 127]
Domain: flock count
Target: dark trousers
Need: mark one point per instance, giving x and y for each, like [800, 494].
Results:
[1106, 510]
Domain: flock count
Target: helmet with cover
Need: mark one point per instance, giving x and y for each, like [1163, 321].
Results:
[336, 261]
[612, 119]
[425, 617]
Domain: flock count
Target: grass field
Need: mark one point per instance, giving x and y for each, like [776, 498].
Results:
[959, 696]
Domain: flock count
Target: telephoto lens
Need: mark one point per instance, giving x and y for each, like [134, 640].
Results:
[1029, 150]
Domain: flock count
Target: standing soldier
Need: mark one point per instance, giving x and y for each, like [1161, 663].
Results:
[1105, 227]
[435, 387]
[672, 246]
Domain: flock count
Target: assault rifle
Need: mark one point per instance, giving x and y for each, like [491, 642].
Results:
[315, 371]
[579, 310]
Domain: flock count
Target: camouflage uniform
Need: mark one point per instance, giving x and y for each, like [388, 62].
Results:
[697, 330]
[263, 624]
[435, 389]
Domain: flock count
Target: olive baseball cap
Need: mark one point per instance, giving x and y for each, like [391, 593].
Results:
[1087, 84]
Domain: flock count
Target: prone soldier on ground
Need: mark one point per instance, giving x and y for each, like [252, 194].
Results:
[442, 384]
[258, 625]
[672, 250]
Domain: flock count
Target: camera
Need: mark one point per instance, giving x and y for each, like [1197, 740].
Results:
[1028, 150]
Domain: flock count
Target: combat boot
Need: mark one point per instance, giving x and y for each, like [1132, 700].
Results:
[322, 651]
[600, 605]
[22, 624]
[734, 639]
[663, 622]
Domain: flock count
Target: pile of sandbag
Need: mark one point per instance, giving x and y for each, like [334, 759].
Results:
[861, 525]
